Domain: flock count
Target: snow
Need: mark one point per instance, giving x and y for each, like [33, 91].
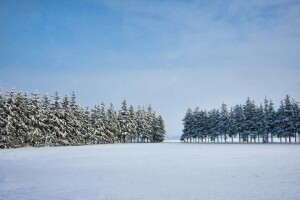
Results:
[152, 171]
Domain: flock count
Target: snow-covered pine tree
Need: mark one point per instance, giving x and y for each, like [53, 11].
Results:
[160, 131]
[260, 123]
[3, 121]
[132, 124]
[35, 113]
[296, 109]
[56, 120]
[187, 126]
[249, 122]
[194, 126]
[11, 127]
[214, 119]
[223, 125]
[96, 125]
[76, 119]
[150, 118]
[124, 121]
[197, 125]
[86, 128]
[46, 119]
[288, 121]
[238, 120]
[231, 127]
[272, 119]
[104, 125]
[113, 123]
[141, 124]
[68, 123]
[279, 128]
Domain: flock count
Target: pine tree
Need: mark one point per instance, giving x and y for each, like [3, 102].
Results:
[124, 121]
[46, 119]
[231, 125]
[279, 127]
[238, 120]
[271, 119]
[68, 123]
[133, 124]
[187, 126]
[96, 125]
[214, 125]
[3, 121]
[104, 125]
[296, 109]
[35, 112]
[114, 127]
[76, 119]
[86, 130]
[260, 122]
[56, 121]
[160, 131]
[249, 122]
[223, 126]
[288, 121]
[150, 118]
[141, 124]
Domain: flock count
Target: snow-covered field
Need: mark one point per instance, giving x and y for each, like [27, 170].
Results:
[152, 171]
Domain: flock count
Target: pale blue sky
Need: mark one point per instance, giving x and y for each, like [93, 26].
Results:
[172, 54]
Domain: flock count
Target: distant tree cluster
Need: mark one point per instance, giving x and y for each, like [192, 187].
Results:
[27, 120]
[250, 123]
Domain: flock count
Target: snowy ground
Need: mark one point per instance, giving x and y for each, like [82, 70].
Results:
[152, 171]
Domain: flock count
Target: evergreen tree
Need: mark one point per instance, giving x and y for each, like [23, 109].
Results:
[159, 130]
[47, 128]
[56, 121]
[224, 121]
[296, 109]
[124, 121]
[4, 137]
[114, 127]
[289, 126]
[231, 125]
[86, 130]
[132, 124]
[249, 121]
[187, 125]
[68, 123]
[35, 128]
[141, 124]
[104, 125]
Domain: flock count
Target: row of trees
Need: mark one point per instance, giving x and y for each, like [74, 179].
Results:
[27, 120]
[248, 122]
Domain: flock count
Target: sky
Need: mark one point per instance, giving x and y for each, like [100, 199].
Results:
[171, 54]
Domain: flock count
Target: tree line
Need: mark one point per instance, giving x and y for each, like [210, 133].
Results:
[28, 120]
[248, 123]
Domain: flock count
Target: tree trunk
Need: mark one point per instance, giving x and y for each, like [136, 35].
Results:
[271, 138]
[290, 139]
